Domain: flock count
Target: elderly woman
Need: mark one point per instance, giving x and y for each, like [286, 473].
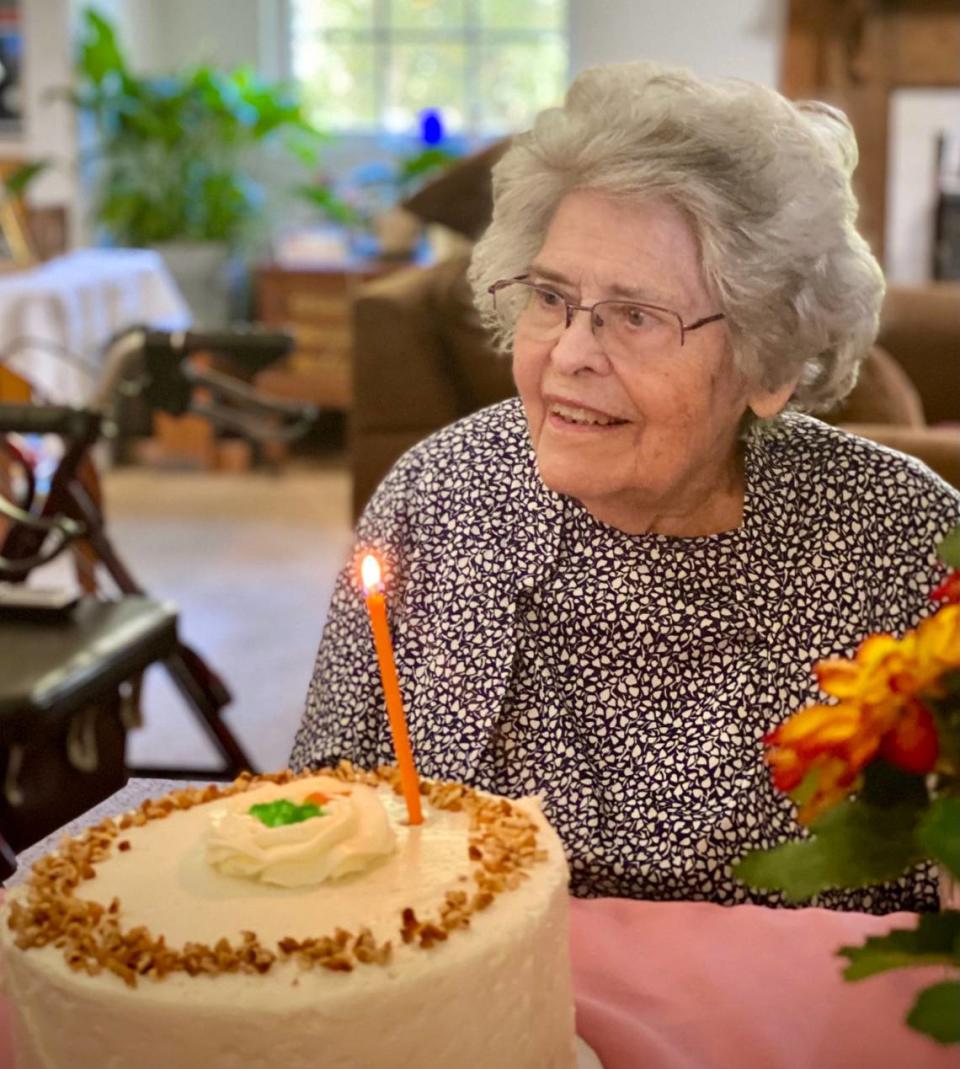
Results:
[608, 591]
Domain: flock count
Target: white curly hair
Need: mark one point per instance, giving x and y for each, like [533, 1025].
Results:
[765, 184]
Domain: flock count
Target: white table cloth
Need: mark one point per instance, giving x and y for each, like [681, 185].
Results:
[73, 305]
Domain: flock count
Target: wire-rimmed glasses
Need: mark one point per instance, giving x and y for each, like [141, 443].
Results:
[630, 328]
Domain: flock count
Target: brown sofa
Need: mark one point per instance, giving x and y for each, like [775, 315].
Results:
[422, 361]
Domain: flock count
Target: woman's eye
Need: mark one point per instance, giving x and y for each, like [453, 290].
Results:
[630, 316]
[548, 299]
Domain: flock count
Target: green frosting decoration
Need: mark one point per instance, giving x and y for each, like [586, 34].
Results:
[282, 811]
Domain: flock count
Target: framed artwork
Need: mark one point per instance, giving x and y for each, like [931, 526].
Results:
[11, 60]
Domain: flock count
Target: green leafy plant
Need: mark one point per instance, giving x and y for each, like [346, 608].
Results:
[173, 152]
[376, 187]
[16, 183]
[876, 777]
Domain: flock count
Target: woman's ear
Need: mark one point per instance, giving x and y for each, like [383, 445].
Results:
[765, 404]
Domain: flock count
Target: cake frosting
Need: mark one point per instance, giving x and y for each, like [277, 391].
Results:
[296, 921]
[350, 831]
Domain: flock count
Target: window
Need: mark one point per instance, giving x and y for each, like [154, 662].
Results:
[487, 65]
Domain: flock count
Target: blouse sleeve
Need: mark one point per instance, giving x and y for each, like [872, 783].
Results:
[344, 715]
[922, 509]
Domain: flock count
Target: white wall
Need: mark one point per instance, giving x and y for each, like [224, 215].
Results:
[713, 38]
[185, 33]
[48, 128]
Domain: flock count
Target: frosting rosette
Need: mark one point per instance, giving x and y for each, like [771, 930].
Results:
[305, 832]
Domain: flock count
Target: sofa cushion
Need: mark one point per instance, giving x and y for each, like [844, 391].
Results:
[883, 394]
[482, 375]
[461, 196]
[920, 328]
[401, 368]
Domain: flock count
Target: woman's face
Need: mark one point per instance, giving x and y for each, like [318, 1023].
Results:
[644, 443]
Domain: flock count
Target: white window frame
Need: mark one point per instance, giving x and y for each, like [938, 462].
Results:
[276, 21]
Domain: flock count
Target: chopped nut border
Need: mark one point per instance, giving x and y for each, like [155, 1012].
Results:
[502, 848]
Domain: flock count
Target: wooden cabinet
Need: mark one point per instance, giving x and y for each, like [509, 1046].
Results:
[314, 303]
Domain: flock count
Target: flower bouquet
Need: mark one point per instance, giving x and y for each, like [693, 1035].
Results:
[876, 778]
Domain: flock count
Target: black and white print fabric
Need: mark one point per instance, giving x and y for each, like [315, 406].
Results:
[627, 680]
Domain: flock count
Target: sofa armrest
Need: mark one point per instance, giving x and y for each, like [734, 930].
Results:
[937, 447]
[402, 377]
[404, 387]
[920, 328]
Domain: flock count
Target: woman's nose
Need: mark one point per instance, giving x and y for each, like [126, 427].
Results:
[577, 348]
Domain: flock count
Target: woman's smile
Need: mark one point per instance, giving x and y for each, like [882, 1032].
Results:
[572, 416]
[646, 442]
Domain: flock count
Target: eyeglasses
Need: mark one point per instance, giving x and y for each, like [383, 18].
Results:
[621, 327]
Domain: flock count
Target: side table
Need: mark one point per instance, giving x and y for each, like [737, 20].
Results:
[314, 302]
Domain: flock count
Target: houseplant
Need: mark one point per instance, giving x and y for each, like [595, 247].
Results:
[876, 777]
[173, 154]
[366, 203]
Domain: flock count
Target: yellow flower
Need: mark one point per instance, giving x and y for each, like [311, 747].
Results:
[828, 743]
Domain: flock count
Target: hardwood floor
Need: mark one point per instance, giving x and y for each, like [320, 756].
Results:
[250, 560]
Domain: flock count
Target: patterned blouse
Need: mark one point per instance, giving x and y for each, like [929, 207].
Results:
[626, 679]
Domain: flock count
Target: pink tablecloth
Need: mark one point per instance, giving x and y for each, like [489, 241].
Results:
[688, 985]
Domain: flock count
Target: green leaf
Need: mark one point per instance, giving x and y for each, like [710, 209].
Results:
[852, 845]
[281, 812]
[15, 184]
[329, 204]
[935, 941]
[937, 1012]
[429, 159]
[939, 833]
[949, 549]
[304, 145]
[100, 54]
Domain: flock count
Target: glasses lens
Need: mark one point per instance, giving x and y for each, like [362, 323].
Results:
[635, 329]
[536, 312]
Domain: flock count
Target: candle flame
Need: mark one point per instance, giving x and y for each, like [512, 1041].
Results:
[370, 572]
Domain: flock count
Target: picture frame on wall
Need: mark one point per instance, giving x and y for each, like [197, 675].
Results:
[11, 61]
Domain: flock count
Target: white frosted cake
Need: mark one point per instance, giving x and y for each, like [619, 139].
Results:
[296, 922]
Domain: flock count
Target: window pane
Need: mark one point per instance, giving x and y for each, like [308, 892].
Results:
[425, 77]
[519, 79]
[311, 15]
[427, 14]
[525, 15]
[337, 79]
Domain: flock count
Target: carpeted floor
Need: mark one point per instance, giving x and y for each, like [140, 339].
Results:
[250, 560]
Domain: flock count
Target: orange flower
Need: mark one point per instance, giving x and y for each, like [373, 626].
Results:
[882, 708]
[830, 744]
[912, 744]
[949, 589]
